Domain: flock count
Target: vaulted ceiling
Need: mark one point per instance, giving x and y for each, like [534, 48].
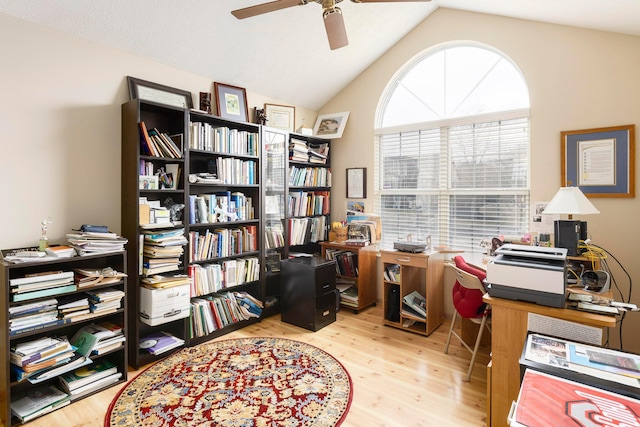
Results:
[285, 54]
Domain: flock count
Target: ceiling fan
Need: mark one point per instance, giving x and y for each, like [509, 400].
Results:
[333, 21]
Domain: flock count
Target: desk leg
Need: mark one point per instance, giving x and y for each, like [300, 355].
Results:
[509, 333]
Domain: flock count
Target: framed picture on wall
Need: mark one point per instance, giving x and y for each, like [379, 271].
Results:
[330, 125]
[280, 116]
[601, 162]
[357, 183]
[150, 91]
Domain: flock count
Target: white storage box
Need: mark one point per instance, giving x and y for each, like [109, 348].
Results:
[158, 306]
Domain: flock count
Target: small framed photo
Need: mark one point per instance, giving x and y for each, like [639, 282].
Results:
[231, 102]
[148, 182]
[156, 92]
[357, 183]
[280, 116]
[601, 162]
[330, 125]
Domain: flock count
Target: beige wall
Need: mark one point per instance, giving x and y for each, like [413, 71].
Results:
[577, 79]
[60, 99]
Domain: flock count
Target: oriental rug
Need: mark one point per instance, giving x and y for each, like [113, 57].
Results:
[236, 383]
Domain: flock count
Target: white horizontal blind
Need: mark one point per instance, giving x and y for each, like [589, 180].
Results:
[458, 182]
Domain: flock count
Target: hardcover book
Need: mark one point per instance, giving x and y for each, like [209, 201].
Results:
[546, 400]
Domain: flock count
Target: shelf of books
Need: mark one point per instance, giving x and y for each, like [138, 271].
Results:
[309, 192]
[64, 331]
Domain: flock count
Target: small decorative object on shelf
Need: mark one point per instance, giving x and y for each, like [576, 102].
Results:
[205, 102]
[44, 240]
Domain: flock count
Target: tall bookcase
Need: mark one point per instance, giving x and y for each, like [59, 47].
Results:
[227, 213]
[309, 190]
[137, 162]
[10, 386]
[220, 219]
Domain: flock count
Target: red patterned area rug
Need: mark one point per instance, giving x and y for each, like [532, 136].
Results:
[244, 382]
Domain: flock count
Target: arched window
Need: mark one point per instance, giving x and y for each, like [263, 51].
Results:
[452, 149]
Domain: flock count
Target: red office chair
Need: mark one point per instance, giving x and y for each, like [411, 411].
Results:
[467, 300]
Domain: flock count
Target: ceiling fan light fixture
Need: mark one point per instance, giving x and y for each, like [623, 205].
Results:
[334, 24]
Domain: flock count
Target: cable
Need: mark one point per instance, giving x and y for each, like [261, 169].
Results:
[600, 250]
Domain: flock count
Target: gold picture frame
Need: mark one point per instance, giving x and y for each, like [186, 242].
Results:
[600, 161]
[280, 116]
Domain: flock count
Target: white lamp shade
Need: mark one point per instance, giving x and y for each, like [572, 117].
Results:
[570, 201]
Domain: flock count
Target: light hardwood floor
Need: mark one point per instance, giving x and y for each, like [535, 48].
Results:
[399, 378]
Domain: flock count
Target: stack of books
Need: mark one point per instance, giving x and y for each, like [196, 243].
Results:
[97, 339]
[105, 300]
[414, 305]
[90, 378]
[92, 243]
[85, 278]
[31, 316]
[36, 402]
[61, 251]
[41, 285]
[298, 150]
[162, 251]
[44, 358]
[74, 307]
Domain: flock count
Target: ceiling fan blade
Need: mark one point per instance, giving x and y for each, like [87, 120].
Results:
[334, 24]
[272, 6]
[388, 1]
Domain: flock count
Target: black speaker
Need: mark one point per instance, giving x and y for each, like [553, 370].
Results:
[567, 235]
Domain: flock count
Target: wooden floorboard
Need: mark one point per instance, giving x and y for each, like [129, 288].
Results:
[399, 378]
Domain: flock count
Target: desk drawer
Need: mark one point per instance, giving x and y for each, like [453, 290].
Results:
[405, 258]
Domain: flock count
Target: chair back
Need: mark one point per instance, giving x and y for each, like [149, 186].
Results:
[468, 290]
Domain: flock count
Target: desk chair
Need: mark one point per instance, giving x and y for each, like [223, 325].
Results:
[467, 300]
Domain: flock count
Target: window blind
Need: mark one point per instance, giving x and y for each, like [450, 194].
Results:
[459, 182]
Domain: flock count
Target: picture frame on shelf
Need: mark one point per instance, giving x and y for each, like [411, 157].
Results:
[330, 126]
[231, 102]
[280, 116]
[600, 161]
[356, 183]
[156, 92]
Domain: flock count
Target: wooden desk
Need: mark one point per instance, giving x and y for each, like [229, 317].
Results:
[509, 320]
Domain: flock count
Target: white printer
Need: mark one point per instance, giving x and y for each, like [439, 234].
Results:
[529, 273]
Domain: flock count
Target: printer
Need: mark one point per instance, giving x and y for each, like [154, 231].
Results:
[529, 273]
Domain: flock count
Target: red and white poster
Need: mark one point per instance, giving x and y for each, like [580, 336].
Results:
[546, 400]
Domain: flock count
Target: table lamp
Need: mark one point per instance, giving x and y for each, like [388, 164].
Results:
[568, 233]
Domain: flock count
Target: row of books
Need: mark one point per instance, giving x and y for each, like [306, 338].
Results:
[235, 171]
[216, 311]
[306, 230]
[160, 144]
[222, 242]
[346, 261]
[210, 278]
[309, 177]
[303, 203]
[392, 272]
[222, 206]
[221, 139]
[274, 236]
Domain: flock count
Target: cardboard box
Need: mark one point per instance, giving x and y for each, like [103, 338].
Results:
[144, 212]
[158, 306]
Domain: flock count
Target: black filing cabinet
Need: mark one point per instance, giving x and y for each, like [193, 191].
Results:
[308, 292]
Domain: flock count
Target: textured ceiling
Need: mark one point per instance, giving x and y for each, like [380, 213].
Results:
[284, 54]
